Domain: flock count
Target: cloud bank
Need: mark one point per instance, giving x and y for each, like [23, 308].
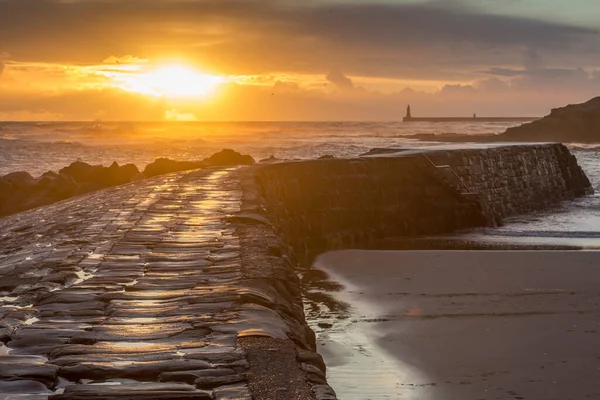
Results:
[372, 58]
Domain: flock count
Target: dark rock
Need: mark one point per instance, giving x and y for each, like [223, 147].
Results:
[210, 382]
[133, 391]
[574, 123]
[103, 176]
[164, 166]
[19, 191]
[310, 357]
[269, 159]
[314, 374]
[60, 277]
[229, 157]
[150, 370]
[27, 368]
[20, 387]
[191, 376]
[60, 185]
[326, 157]
[19, 180]
[116, 175]
[237, 392]
[80, 171]
[324, 392]
[378, 150]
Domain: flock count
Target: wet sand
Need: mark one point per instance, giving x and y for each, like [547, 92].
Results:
[463, 325]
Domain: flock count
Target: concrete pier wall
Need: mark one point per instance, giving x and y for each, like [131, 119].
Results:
[512, 180]
[347, 203]
[193, 268]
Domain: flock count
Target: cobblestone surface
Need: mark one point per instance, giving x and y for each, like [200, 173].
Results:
[139, 292]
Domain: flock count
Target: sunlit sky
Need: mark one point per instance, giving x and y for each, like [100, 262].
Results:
[294, 59]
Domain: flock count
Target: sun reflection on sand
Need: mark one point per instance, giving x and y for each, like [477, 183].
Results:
[356, 364]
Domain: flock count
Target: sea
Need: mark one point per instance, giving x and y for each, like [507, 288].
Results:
[358, 365]
[37, 147]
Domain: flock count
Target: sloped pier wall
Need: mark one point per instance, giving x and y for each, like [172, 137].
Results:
[514, 180]
[331, 204]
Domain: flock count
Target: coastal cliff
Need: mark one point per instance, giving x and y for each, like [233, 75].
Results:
[578, 123]
[575, 123]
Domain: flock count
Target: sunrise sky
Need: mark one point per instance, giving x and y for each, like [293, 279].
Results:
[294, 59]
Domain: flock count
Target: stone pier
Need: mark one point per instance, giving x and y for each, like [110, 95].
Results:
[184, 286]
[155, 290]
[333, 204]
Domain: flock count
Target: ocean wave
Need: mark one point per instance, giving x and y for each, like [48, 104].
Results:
[547, 234]
[583, 146]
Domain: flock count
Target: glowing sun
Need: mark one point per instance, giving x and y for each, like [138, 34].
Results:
[173, 81]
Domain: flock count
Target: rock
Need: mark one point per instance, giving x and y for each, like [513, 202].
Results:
[20, 191]
[310, 357]
[270, 159]
[210, 382]
[80, 171]
[378, 150]
[149, 370]
[229, 157]
[20, 179]
[326, 157]
[238, 392]
[191, 376]
[21, 387]
[131, 391]
[103, 176]
[324, 392]
[164, 166]
[60, 185]
[573, 123]
[115, 175]
[27, 368]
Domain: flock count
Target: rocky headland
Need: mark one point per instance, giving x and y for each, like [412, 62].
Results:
[20, 191]
[575, 123]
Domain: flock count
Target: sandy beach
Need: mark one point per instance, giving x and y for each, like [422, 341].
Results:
[464, 325]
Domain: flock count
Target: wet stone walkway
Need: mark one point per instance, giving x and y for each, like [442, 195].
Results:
[132, 292]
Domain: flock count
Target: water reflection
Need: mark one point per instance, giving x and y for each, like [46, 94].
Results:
[357, 367]
[458, 325]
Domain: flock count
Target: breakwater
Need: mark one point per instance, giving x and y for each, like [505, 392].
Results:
[468, 119]
[159, 289]
[348, 203]
[184, 285]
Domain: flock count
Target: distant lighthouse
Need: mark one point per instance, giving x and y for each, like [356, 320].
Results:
[408, 116]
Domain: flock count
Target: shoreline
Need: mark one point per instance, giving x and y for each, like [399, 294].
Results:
[464, 324]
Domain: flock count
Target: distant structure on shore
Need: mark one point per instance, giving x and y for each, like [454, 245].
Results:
[474, 118]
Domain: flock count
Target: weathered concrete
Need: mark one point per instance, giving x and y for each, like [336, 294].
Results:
[146, 283]
[182, 286]
[331, 204]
